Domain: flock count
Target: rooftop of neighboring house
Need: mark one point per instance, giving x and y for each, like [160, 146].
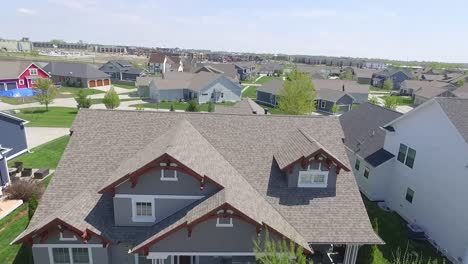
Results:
[145, 80]
[363, 73]
[414, 84]
[227, 69]
[456, 110]
[330, 95]
[363, 134]
[158, 57]
[13, 69]
[341, 85]
[273, 87]
[461, 92]
[73, 69]
[245, 106]
[429, 92]
[125, 66]
[391, 71]
[433, 77]
[184, 80]
[249, 169]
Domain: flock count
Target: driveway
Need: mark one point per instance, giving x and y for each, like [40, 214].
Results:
[40, 135]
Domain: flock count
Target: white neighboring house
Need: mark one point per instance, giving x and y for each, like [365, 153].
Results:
[427, 182]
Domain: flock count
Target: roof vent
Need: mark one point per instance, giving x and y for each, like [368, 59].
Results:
[343, 88]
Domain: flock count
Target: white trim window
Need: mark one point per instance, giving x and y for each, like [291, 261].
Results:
[168, 175]
[21, 82]
[67, 236]
[70, 255]
[33, 71]
[224, 221]
[313, 178]
[322, 104]
[143, 210]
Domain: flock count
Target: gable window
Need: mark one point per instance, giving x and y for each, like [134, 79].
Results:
[32, 71]
[223, 220]
[366, 172]
[67, 236]
[21, 82]
[143, 210]
[322, 104]
[406, 155]
[409, 195]
[169, 175]
[313, 177]
[357, 165]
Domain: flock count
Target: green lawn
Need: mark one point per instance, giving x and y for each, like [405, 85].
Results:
[47, 155]
[178, 105]
[55, 117]
[266, 79]
[125, 86]
[401, 100]
[99, 100]
[392, 229]
[65, 91]
[378, 89]
[250, 92]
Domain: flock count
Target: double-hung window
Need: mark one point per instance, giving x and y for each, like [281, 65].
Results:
[33, 71]
[71, 256]
[409, 195]
[61, 255]
[168, 174]
[406, 155]
[357, 165]
[313, 178]
[322, 104]
[143, 210]
[366, 172]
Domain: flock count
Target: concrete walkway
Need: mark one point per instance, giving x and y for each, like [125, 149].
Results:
[40, 135]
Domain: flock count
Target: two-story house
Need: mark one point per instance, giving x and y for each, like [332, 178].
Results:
[396, 75]
[19, 75]
[154, 187]
[161, 63]
[422, 167]
[122, 70]
[13, 143]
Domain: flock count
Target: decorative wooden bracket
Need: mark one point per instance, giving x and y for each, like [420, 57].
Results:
[338, 169]
[86, 236]
[145, 251]
[29, 242]
[44, 236]
[133, 180]
[189, 231]
[329, 163]
[304, 163]
[259, 230]
[202, 184]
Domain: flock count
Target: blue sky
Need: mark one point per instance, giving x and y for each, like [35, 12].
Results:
[411, 29]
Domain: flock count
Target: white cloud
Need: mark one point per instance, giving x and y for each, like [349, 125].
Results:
[26, 11]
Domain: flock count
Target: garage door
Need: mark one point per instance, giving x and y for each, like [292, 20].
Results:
[99, 83]
[92, 83]
[106, 82]
[11, 86]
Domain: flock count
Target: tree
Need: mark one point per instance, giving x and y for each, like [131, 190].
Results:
[388, 85]
[192, 106]
[390, 102]
[211, 107]
[347, 75]
[46, 92]
[82, 100]
[172, 108]
[297, 95]
[460, 83]
[111, 99]
[373, 100]
[335, 108]
[269, 251]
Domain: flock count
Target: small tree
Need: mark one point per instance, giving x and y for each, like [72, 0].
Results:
[390, 102]
[192, 106]
[388, 85]
[269, 251]
[297, 95]
[172, 108]
[460, 83]
[373, 100]
[32, 205]
[335, 108]
[347, 75]
[82, 100]
[211, 107]
[24, 190]
[46, 92]
[111, 99]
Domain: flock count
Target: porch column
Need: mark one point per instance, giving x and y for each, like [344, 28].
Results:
[351, 254]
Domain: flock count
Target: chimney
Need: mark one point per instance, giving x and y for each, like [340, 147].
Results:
[343, 88]
[265, 110]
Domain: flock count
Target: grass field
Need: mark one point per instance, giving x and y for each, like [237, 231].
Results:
[47, 155]
[401, 100]
[392, 229]
[125, 86]
[250, 92]
[55, 117]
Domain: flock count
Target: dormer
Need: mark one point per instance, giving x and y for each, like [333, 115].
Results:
[306, 163]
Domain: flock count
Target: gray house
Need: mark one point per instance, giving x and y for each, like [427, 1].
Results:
[204, 87]
[122, 70]
[328, 93]
[142, 84]
[13, 143]
[157, 187]
[396, 75]
[409, 86]
[424, 94]
[77, 74]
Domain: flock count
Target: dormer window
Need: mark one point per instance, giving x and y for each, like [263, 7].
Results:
[313, 177]
[169, 175]
[32, 71]
[223, 220]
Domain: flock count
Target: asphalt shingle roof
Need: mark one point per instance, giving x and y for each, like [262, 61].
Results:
[129, 138]
[12, 69]
[79, 70]
[456, 110]
[362, 131]
[246, 107]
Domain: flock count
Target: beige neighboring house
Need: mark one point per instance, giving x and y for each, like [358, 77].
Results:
[142, 84]
[161, 63]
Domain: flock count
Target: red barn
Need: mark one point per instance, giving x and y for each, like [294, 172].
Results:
[19, 74]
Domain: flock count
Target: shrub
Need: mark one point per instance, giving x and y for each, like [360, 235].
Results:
[388, 85]
[192, 106]
[111, 99]
[24, 190]
[172, 108]
[390, 102]
[82, 100]
[210, 107]
[32, 205]
[373, 100]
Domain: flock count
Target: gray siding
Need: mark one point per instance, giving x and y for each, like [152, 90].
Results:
[119, 254]
[266, 98]
[3, 172]
[359, 98]
[206, 237]
[143, 91]
[293, 177]
[13, 135]
[228, 91]
[166, 95]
